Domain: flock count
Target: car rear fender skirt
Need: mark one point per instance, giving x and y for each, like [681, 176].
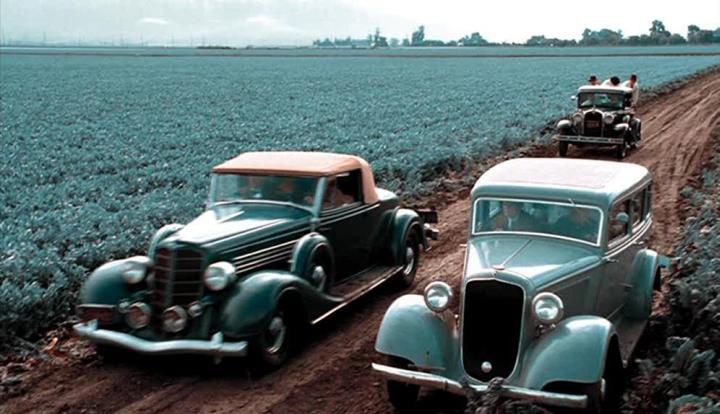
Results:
[574, 352]
[250, 303]
[105, 286]
[404, 222]
[641, 281]
[411, 331]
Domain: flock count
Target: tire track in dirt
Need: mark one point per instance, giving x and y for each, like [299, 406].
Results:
[331, 373]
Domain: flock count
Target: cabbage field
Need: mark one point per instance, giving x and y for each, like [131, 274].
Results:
[96, 152]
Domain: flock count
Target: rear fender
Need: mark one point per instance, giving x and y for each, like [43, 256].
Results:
[574, 351]
[405, 221]
[411, 331]
[644, 277]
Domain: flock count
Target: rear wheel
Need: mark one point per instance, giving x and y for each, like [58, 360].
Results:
[563, 148]
[319, 270]
[402, 396]
[411, 260]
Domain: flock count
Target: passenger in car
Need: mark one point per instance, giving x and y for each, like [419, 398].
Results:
[512, 218]
[579, 223]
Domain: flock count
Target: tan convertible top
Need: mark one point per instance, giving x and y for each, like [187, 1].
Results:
[302, 164]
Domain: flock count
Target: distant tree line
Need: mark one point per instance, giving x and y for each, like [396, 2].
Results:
[657, 35]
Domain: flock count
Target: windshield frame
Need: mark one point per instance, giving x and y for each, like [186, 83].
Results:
[309, 208]
[614, 108]
[569, 203]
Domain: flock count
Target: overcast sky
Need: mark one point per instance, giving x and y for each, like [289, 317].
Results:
[298, 22]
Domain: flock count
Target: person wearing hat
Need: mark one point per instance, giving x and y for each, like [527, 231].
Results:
[632, 83]
[614, 81]
[593, 80]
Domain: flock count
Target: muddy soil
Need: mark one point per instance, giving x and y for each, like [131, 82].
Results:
[331, 373]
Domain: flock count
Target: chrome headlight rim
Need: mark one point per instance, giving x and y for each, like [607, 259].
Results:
[179, 323]
[438, 296]
[608, 119]
[544, 299]
[145, 312]
[577, 118]
[135, 269]
[219, 275]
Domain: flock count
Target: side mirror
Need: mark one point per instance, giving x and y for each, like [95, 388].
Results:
[623, 217]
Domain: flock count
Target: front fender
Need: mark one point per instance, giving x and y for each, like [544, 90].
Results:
[164, 232]
[405, 220]
[572, 352]
[412, 331]
[105, 286]
[642, 277]
[252, 301]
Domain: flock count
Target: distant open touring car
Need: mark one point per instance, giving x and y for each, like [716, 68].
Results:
[286, 239]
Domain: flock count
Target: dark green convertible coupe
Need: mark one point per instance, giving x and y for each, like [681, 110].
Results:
[287, 238]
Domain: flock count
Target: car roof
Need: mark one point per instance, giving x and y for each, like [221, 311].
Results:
[585, 181]
[300, 164]
[604, 89]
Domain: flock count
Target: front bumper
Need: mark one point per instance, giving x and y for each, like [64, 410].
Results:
[590, 140]
[438, 382]
[214, 347]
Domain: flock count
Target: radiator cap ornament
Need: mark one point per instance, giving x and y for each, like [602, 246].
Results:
[486, 367]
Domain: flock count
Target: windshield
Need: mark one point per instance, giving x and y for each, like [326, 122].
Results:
[601, 99]
[225, 188]
[554, 219]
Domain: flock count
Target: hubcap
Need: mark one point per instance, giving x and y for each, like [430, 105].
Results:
[409, 261]
[276, 335]
[319, 276]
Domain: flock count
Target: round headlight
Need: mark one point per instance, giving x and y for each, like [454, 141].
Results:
[608, 118]
[577, 118]
[438, 296]
[135, 269]
[219, 275]
[626, 118]
[547, 308]
[174, 319]
[137, 315]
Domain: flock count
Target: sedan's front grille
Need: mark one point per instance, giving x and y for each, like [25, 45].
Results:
[177, 278]
[593, 124]
[492, 317]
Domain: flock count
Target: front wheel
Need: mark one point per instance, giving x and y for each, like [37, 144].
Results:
[621, 150]
[402, 396]
[563, 148]
[272, 346]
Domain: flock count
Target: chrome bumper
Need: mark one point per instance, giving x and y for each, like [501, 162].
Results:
[214, 347]
[438, 382]
[590, 140]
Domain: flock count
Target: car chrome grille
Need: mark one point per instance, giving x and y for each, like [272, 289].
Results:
[177, 278]
[593, 124]
[492, 319]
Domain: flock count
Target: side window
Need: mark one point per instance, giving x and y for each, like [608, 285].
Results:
[638, 208]
[343, 189]
[619, 221]
[648, 201]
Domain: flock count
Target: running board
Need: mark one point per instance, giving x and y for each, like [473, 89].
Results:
[365, 282]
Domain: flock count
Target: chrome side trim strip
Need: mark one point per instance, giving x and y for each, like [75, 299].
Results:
[425, 379]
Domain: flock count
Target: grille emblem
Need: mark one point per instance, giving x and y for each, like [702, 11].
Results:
[486, 367]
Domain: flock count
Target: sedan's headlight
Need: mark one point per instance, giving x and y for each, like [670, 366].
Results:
[219, 275]
[136, 268]
[608, 118]
[138, 315]
[174, 319]
[577, 118]
[438, 296]
[547, 308]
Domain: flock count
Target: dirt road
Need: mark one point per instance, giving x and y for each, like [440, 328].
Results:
[331, 374]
